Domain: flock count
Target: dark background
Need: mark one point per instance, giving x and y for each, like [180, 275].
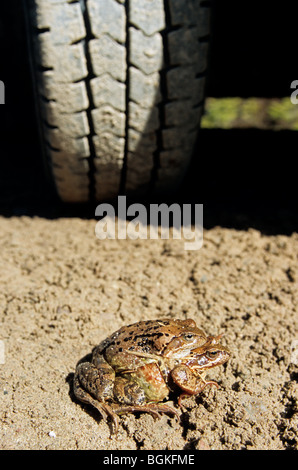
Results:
[244, 177]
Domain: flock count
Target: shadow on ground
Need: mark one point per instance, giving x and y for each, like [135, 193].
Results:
[244, 177]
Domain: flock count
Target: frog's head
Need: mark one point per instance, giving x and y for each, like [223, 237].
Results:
[182, 336]
[211, 354]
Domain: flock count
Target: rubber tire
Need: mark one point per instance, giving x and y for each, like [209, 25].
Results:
[120, 88]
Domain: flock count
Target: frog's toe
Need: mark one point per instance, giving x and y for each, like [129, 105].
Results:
[107, 410]
[161, 408]
[153, 408]
[137, 409]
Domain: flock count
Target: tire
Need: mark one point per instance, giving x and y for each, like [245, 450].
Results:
[120, 88]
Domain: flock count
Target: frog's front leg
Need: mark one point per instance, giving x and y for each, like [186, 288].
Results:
[190, 383]
[93, 384]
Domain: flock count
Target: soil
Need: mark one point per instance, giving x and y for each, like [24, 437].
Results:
[63, 291]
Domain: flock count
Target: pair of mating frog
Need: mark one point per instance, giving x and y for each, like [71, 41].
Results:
[136, 367]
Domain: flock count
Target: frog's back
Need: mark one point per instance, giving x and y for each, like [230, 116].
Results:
[149, 336]
[142, 336]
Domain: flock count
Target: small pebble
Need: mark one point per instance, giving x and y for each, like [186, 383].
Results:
[52, 434]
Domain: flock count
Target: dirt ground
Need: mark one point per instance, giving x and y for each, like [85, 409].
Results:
[63, 291]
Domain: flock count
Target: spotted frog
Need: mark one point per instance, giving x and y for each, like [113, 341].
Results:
[136, 367]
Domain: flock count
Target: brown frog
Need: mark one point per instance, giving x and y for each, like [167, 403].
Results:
[136, 367]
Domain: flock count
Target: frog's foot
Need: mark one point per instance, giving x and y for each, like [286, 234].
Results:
[153, 408]
[106, 412]
[202, 384]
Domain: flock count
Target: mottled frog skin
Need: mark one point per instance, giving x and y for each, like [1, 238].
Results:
[136, 367]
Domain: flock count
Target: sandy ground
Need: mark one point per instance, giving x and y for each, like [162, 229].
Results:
[63, 291]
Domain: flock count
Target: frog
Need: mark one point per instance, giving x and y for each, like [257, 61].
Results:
[137, 367]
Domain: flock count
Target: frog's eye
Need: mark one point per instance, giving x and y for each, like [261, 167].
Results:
[188, 336]
[212, 354]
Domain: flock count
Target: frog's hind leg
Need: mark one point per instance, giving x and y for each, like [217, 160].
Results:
[92, 386]
[132, 399]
